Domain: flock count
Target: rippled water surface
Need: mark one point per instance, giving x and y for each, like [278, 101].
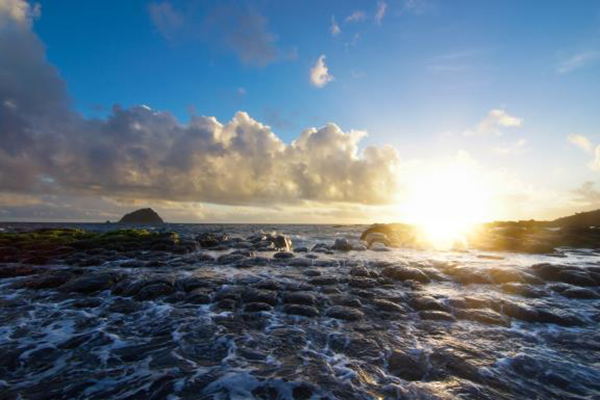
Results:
[323, 324]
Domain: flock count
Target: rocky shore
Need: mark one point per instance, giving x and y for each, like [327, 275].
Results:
[134, 314]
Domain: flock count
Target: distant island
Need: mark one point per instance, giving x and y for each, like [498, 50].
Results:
[146, 216]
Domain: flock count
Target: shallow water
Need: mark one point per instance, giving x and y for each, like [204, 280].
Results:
[478, 326]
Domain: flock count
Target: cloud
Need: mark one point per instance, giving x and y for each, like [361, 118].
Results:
[240, 29]
[381, 10]
[18, 13]
[581, 141]
[577, 61]
[595, 163]
[319, 74]
[49, 149]
[587, 194]
[356, 16]
[167, 20]
[493, 121]
[335, 28]
[514, 148]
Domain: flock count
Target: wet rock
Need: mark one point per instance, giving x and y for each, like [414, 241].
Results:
[198, 296]
[323, 281]
[124, 306]
[342, 244]
[153, 291]
[258, 306]
[388, 306]
[312, 272]
[260, 296]
[360, 271]
[509, 275]
[363, 283]
[487, 317]
[376, 238]
[436, 315]
[191, 283]
[300, 309]
[379, 247]
[301, 250]
[282, 242]
[91, 283]
[469, 275]
[401, 273]
[233, 293]
[283, 255]
[347, 301]
[209, 240]
[575, 292]
[300, 298]
[428, 303]
[521, 289]
[345, 313]
[469, 302]
[45, 281]
[226, 305]
[300, 262]
[11, 271]
[406, 366]
[231, 258]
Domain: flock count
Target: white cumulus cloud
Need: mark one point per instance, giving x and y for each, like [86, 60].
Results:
[319, 73]
[493, 122]
[581, 141]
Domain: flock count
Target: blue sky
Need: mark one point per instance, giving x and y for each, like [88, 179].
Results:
[418, 76]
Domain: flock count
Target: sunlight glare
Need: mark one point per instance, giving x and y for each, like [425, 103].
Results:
[446, 203]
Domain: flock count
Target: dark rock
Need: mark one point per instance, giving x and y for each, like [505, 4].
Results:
[401, 273]
[11, 271]
[300, 298]
[258, 306]
[124, 306]
[301, 250]
[300, 309]
[153, 291]
[45, 281]
[388, 306]
[210, 240]
[283, 255]
[436, 315]
[198, 296]
[260, 296]
[484, 316]
[282, 242]
[345, 313]
[406, 366]
[91, 283]
[428, 303]
[342, 244]
[323, 281]
[347, 301]
[143, 216]
[360, 271]
[521, 289]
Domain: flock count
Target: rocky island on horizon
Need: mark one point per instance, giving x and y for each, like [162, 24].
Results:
[144, 216]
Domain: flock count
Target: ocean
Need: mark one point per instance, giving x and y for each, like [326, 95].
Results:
[243, 322]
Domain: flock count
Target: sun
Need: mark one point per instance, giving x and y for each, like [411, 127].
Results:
[446, 203]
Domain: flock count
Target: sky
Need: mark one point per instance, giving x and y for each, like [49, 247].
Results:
[299, 111]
